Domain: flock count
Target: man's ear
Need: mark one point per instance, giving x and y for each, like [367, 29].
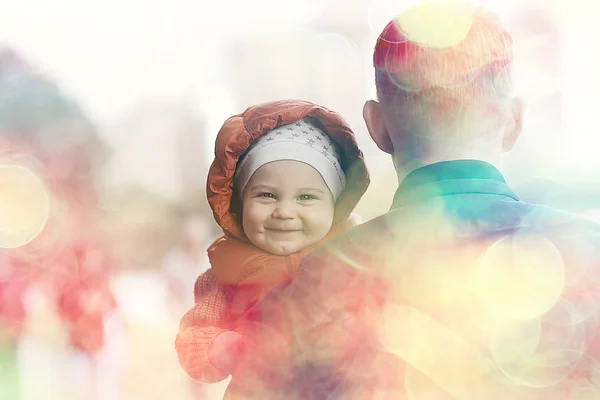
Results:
[373, 117]
[516, 127]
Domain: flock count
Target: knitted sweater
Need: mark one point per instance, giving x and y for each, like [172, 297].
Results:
[224, 296]
[223, 300]
[200, 326]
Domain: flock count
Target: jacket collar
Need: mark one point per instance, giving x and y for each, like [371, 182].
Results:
[449, 178]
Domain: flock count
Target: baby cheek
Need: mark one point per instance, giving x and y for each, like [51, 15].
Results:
[250, 223]
[321, 226]
[257, 213]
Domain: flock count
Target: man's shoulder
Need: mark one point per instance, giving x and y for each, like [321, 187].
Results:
[361, 238]
[561, 223]
[406, 224]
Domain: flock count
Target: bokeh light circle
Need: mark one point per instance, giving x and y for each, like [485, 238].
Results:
[437, 24]
[421, 341]
[521, 277]
[541, 352]
[24, 205]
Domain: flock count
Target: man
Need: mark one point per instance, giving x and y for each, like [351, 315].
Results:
[460, 291]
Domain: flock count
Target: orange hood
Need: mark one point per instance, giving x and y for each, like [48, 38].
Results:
[239, 131]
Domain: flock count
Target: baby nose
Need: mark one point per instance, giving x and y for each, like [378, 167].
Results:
[284, 210]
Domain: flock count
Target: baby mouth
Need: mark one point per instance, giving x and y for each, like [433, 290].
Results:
[283, 230]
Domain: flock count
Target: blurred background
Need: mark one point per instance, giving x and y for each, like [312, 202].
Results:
[108, 113]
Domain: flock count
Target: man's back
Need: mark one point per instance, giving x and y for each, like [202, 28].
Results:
[460, 292]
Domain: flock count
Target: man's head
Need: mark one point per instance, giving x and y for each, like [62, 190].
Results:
[444, 86]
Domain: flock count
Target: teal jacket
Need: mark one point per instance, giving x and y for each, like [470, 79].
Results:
[460, 291]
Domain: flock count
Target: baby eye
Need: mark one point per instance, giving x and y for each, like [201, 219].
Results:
[305, 197]
[267, 195]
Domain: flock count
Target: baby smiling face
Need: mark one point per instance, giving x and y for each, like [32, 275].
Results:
[286, 207]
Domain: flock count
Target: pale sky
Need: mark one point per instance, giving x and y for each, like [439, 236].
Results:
[112, 53]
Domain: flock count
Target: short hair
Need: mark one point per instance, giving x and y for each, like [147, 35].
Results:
[451, 77]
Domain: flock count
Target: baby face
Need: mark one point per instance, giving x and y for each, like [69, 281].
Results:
[286, 207]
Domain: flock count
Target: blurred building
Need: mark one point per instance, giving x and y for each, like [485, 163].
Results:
[159, 147]
[155, 175]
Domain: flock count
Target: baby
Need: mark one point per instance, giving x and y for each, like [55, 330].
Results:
[286, 177]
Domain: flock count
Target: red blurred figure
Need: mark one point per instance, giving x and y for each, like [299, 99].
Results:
[67, 266]
[12, 311]
[84, 297]
[12, 318]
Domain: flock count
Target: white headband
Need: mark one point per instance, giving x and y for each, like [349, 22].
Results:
[298, 141]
